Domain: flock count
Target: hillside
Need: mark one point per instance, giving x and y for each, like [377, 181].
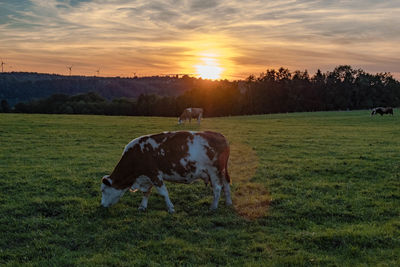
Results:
[22, 86]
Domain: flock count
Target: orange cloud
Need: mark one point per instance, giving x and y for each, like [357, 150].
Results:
[159, 37]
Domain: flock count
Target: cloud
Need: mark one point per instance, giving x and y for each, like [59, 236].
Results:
[155, 36]
[197, 5]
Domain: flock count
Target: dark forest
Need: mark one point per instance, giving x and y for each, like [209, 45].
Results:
[274, 91]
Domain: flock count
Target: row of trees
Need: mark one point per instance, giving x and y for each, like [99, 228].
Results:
[274, 91]
[343, 88]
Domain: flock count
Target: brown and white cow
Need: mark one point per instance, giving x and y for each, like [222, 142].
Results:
[382, 111]
[189, 113]
[181, 157]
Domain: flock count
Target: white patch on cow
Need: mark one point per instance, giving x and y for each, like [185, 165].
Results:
[162, 152]
[189, 109]
[143, 183]
[135, 141]
[197, 152]
[110, 195]
[151, 142]
[203, 164]
[183, 162]
[131, 144]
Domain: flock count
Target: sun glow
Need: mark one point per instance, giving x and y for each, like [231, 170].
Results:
[210, 67]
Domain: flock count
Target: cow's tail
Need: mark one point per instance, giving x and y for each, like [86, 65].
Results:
[223, 159]
[227, 177]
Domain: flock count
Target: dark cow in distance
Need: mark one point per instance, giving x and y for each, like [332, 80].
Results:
[181, 157]
[189, 113]
[382, 111]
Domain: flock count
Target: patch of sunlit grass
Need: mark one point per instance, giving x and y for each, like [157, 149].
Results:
[250, 199]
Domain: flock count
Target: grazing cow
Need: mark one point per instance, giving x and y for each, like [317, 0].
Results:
[382, 111]
[190, 113]
[181, 157]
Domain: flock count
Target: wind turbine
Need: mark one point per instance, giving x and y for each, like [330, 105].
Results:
[2, 65]
[70, 69]
[98, 72]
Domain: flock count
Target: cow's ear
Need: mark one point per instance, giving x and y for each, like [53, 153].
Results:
[106, 181]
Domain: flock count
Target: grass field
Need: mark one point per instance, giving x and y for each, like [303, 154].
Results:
[322, 189]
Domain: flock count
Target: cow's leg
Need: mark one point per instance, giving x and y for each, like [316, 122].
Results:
[162, 190]
[227, 192]
[217, 193]
[145, 200]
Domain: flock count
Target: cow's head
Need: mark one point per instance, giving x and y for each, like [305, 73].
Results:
[109, 194]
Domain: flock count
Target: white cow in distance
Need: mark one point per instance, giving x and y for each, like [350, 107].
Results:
[189, 113]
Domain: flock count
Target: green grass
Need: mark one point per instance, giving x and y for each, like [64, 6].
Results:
[333, 181]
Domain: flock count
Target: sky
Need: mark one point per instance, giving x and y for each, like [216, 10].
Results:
[228, 39]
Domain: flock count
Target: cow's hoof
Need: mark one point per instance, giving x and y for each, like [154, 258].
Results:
[171, 211]
[141, 208]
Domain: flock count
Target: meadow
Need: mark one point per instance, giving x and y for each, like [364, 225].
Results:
[317, 188]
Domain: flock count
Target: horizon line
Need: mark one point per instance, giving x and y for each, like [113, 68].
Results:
[181, 75]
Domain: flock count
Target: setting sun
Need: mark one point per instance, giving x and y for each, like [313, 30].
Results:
[210, 69]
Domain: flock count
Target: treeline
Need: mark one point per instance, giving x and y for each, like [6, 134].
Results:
[92, 103]
[18, 87]
[341, 89]
[274, 91]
